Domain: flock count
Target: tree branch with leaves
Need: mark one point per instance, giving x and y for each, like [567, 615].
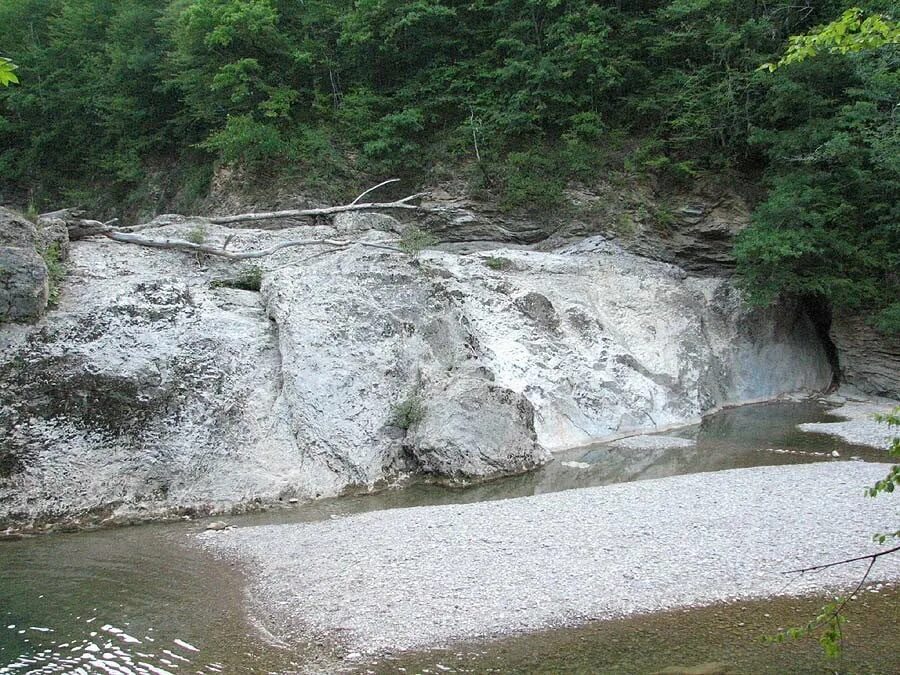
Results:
[8, 72]
[852, 32]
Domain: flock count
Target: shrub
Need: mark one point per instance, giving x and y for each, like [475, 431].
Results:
[196, 235]
[496, 263]
[407, 413]
[249, 279]
[414, 240]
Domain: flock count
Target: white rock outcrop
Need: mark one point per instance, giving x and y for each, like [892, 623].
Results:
[151, 390]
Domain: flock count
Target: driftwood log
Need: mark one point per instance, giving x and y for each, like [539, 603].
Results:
[81, 228]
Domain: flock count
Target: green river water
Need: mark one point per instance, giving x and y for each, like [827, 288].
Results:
[146, 600]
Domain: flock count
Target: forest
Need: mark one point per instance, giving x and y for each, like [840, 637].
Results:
[516, 98]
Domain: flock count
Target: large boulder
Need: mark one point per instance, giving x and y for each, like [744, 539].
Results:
[24, 284]
[474, 429]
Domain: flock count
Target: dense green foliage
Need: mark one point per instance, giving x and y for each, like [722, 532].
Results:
[892, 480]
[519, 97]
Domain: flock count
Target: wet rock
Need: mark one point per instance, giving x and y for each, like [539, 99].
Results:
[217, 526]
[24, 286]
[654, 442]
[10, 534]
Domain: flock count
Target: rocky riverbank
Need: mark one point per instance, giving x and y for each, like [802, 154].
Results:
[433, 575]
[167, 384]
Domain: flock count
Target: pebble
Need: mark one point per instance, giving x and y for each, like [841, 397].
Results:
[217, 525]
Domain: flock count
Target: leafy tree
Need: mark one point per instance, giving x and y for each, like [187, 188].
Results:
[828, 227]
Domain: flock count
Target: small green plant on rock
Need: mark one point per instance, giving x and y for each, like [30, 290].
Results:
[414, 240]
[55, 272]
[32, 213]
[497, 263]
[196, 235]
[249, 279]
[408, 412]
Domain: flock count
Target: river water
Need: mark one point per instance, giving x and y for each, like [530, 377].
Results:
[145, 600]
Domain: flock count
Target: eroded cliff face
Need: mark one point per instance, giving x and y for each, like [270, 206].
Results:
[869, 360]
[152, 390]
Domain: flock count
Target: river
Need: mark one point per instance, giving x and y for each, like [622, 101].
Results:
[146, 600]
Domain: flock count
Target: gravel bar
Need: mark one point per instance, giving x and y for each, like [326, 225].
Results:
[861, 427]
[427, 576]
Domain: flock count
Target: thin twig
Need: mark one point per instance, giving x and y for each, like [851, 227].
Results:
[815, 568]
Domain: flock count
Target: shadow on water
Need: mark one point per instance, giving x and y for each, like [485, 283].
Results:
[143, 600]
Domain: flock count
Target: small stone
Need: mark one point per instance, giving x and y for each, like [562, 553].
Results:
[293, 500]
[217, 526]
[835, 453]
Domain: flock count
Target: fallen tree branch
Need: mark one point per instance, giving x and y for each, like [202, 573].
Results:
[190, 247]
[80, 228]
[324, 211]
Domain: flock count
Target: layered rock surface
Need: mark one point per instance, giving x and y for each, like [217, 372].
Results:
[152, 390]
[870, 360]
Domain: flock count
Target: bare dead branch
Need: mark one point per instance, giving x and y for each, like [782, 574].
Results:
[190, 247]
[325, 211]
[63, 214]
[372, 189]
